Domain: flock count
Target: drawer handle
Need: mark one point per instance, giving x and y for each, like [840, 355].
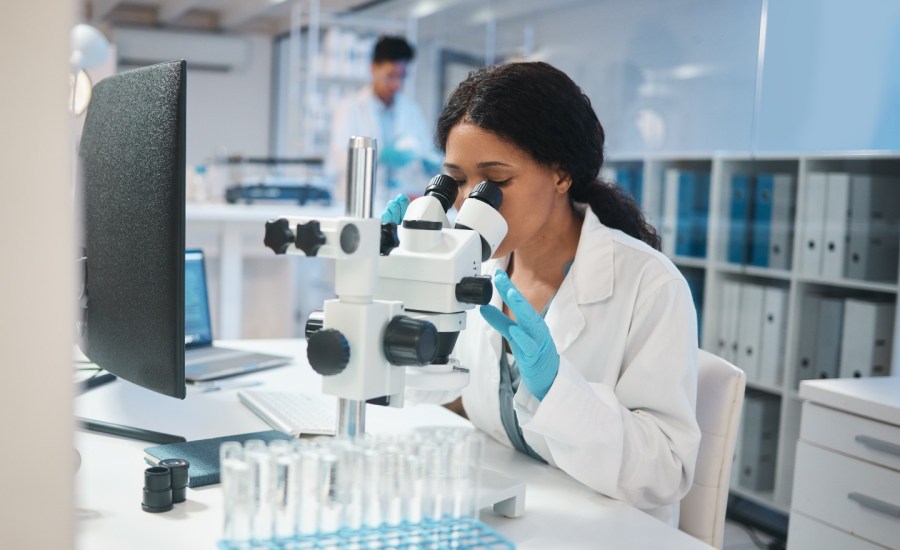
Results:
[875, 504]
[879, 444]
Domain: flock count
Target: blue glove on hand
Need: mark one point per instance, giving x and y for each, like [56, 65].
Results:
[395, 210]
[396, 158]
[528, 337]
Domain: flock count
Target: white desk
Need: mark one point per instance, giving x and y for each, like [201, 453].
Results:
[559, 511]
[238, 229]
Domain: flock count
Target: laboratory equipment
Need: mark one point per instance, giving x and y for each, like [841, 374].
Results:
[275, 179]
[415, 490]
[402, 291]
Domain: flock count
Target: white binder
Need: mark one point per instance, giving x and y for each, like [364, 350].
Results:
[749, 329]
[728, 321]
[781, 232]
[866, 343]
[837, 211]
[774, 326]
[668, 231]
[830, 323]
[873, 238]
[811, 224]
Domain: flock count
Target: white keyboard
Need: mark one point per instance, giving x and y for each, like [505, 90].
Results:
[293, 413]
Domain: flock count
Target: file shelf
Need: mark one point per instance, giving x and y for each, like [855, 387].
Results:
[790, 247]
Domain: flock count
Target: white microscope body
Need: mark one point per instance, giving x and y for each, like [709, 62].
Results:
[400, 304]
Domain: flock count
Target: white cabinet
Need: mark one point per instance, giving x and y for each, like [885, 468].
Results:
[758, 228]
[847, 471]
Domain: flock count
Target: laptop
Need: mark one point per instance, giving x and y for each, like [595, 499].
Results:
[202, 359]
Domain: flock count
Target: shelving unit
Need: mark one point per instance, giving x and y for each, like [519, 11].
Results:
[718, 273]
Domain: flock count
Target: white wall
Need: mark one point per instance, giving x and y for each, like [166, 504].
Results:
[36, 278]
[226, 111]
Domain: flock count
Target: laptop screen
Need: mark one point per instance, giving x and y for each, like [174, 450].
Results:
[197, 326]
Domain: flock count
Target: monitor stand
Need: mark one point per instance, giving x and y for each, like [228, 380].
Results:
[119, 429]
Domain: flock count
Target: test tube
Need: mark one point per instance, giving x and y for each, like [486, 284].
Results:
[329, 503]
[371, 493]
[284, 462]
[236, 486]
[262, 473]
[308, 481]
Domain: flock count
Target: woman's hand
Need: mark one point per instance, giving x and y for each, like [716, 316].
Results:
[528, 337]
[395, 210]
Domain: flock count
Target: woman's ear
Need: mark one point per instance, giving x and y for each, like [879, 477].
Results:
[563, 181]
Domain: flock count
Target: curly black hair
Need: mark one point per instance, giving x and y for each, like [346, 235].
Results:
[540, 110]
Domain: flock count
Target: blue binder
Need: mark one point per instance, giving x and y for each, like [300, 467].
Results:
[762, 220]
[624, 180]
[685, 214]
[738, 230]
[701, 218]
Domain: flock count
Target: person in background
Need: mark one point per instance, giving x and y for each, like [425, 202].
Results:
[586, 357]
[406, 157]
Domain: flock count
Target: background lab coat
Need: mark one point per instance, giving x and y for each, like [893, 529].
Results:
[359, 115]
[620, 416]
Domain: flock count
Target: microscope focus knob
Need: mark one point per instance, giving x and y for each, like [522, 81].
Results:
[278, 235]
[310, 237]
[474, 290]
[410, 342]
[328, 352]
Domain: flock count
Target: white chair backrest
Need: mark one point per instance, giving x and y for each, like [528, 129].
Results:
[720, 397]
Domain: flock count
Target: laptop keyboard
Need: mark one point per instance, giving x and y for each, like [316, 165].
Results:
[294, 413]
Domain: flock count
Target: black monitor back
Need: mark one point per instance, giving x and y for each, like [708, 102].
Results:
[133, 173]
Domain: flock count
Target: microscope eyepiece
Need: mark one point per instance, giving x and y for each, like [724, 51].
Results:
[444, 189]
[488, 193]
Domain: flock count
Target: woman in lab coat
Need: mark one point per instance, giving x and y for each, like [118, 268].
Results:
[602, 377]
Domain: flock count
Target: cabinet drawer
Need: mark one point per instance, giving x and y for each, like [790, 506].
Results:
[850, 434]
[857, 497]
[806, 533]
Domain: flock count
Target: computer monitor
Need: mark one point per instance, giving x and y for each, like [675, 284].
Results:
[133, 183]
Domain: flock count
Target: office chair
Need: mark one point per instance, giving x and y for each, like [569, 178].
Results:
[720, 396]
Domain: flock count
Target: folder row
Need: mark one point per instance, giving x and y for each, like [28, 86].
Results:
[844, 337]
[761, 220]
[751, 330]
[849, 226]
[685, 213]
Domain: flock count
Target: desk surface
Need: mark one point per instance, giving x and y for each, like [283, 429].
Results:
[875, 397]
[559, 511]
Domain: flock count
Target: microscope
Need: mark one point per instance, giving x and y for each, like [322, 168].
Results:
[402, 292]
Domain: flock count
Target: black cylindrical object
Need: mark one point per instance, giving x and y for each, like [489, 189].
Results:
[179, 468]
[328, 351]
[444, 189]
[157, 489]
[315, 322]
[410, 342]
[488, 193]
[474, 290]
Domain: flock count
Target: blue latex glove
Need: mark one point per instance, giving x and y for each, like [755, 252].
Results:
[395, 210]
[528, 337]
[395, 158]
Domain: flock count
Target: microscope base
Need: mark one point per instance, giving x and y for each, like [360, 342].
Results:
[505, 495]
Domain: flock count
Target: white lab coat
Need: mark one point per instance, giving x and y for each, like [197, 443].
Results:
[359, 115]
[620, 416]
